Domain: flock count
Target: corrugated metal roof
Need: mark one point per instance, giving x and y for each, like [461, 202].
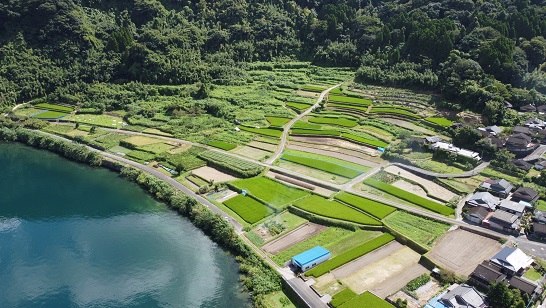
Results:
[310, 255]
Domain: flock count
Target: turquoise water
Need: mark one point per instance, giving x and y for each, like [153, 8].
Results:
[74, 236]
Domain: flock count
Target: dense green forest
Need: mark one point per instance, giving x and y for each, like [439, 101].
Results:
[479, 54]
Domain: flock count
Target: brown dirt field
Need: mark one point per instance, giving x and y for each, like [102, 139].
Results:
[433, 189]
[262, 145]
[211, 174]
[142, 140]
[461, 251]
[307, 94]
[300, 234]
[337, 143]
[318, 190]
[335, 154]
[251, 152]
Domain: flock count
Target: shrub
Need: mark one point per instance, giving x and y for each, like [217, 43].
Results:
[417, 282]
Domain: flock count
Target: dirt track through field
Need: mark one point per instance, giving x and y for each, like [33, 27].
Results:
[335, 154]
[461, 251]
[300, 234]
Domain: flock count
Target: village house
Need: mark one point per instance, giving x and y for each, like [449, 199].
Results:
[526, 194]
[476, 214]
[541, 109]
[512, 207]
[512, 260]
[450, 148]
[490, 130]
[522, 165]
[459, 296]
[536, 124]
[500, 188]
[539, 230]
[483, 199]
[503, 221]
[520, 144]
[528, 108]
[521, 130]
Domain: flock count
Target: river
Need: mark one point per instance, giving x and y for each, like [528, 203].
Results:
[75, 236]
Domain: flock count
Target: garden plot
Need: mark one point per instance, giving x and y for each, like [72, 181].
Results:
[97, 120]
[423, 294]
[308, 94]
[139, 141]
[433, 189]
[312, 172]
[410, 126]
[325, 163]
[301, 234]
[212, 175]
[300, 184]
[461, 251]
[252, 152]
[335, 154]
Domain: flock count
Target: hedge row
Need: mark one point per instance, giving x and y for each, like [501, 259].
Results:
[231, 164]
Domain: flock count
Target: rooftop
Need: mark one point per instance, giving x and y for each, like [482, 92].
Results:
[463, 296]
[453, 149]
[310, 255]
[512, 258]
[512, 206]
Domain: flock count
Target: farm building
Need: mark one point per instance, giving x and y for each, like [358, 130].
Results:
[310, 258]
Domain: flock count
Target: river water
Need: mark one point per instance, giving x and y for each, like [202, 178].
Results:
[74, 236]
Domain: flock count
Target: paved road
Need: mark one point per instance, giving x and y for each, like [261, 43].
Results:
[306, 294]
[289, 125]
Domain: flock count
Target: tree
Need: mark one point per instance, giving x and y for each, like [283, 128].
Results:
[466, 137]
[494, 112]
[501, 296]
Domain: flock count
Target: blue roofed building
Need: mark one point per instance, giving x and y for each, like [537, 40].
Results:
[311, 258]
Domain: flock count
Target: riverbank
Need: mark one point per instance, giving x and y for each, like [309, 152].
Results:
[258, 277]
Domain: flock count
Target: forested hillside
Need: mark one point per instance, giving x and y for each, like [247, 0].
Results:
[479, 54]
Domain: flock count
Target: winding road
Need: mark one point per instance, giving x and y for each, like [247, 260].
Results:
[288, 126]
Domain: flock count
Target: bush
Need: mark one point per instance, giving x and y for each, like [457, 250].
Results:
[417, 282]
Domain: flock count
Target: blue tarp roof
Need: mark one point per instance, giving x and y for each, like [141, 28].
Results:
[310, 255]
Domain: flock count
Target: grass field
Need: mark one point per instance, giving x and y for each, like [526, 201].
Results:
[325, 163]
[342, 297]
[366, 299]
[350, 255]
[277, 299]
[349, 99]
[333, 209]
[407, 196]
[54, 107]
[443, 122]
[249, 209]
[314, 88]
[421, 230]
[395, 111]
[199, 182]
[304, 125]
[339, 121]
[541, 205]
[222, 145]
[270, 191]
[277, 121]
[325, 238]
[110, 140]
[139, 141]
[46, 115]
[263, 131]
[374, 208]
[141, 155]
[156, 148]
[315, 132]
[532, 274]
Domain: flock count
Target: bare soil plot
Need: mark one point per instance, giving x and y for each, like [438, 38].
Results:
[317, 189]
[407, 186]
[423, 294]
[262, 145]
[141, 140]
[461, 251]
[333, 153]
[433, 189]
[387, 275]
[212, 175]
[300, 234]
[251, 152]
[337, 143]
[307, 94]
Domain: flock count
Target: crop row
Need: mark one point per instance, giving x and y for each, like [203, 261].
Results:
[231, 164]
[54, 107]
[248, 208]
[349, 99]
[350, 255]
[374, 208]
[275, 133]
[334, 121]
[443, 122]
[333, 209]
[407, 196]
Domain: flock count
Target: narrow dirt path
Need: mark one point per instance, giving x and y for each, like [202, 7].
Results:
[288, 126]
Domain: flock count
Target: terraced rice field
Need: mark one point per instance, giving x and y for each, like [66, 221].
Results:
[421, 230]
[349, 99]
[263, 131]
[374, 208]
[407, 196]
[248, 209]
[270, 191]
[325, 163]
[222, 145]
[277, 121]
[333, 209]
[330, 120]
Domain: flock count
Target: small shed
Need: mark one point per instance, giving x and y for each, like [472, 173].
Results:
[310, 258]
